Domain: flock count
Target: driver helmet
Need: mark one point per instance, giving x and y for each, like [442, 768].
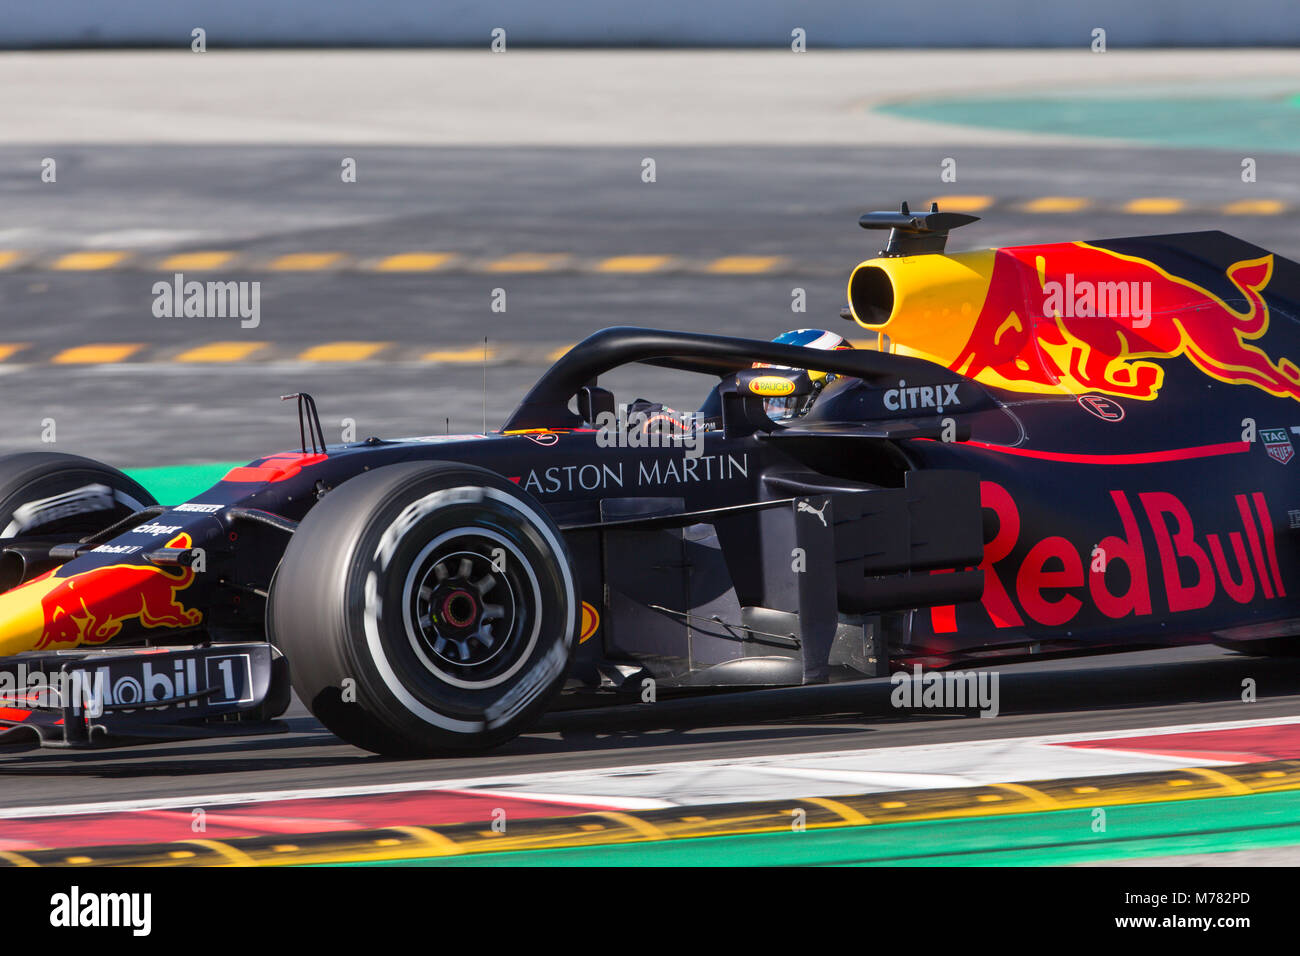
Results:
[793, 406]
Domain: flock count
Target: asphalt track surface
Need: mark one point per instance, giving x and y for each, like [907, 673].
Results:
[1142, 689]
[790, 201]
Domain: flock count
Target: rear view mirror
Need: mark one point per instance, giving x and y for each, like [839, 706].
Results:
[593, 401]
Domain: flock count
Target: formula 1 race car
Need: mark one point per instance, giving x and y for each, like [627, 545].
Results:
[1052, 449]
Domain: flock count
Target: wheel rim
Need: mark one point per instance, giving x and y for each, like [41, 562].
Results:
[472, 607]
[465, 609]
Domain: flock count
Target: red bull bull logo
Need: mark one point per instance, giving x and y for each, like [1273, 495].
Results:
[1079, 318]
[94, 606]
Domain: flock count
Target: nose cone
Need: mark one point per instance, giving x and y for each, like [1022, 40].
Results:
[23, 622]
[93, 605]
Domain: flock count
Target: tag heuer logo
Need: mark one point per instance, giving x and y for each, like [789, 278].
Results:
[1277, 444]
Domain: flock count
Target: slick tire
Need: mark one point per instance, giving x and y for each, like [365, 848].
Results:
[425, 608]
[53, 496]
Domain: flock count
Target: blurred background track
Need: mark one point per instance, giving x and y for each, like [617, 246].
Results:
[523, 172]
[376, 295]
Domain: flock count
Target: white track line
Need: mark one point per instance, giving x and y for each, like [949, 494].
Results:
[518, 784]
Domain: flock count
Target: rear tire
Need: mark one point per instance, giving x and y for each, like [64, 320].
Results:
[58, 497]
[425, 608]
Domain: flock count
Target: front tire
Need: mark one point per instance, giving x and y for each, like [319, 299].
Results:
[53, 497]
[45, 493]
[425, 608]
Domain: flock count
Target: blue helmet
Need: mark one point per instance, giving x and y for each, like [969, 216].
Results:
[793, 406]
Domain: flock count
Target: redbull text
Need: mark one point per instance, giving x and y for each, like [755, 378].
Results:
[1054, 579]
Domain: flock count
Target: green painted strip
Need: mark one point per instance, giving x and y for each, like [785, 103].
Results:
[1050, 838]
[1265, 122]
[176, 483]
